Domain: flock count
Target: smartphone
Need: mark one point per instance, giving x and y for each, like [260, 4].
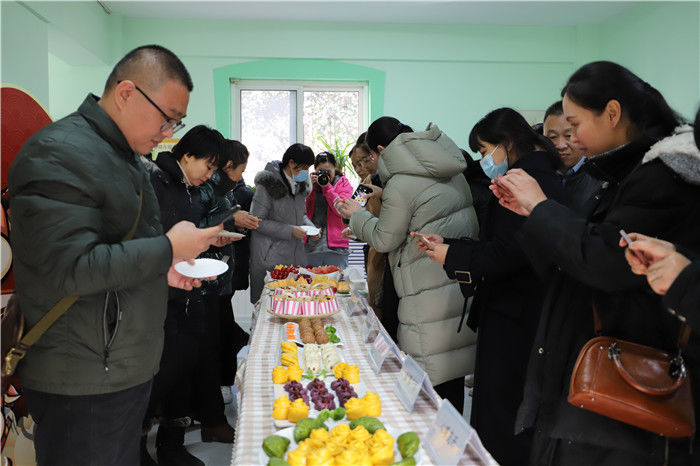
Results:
[360, 194]
[637, 254]
[220, 217]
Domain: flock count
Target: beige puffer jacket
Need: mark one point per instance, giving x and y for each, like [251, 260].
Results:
[424, 191]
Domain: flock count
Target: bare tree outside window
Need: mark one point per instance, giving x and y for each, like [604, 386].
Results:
[266, 119]
[327, 119]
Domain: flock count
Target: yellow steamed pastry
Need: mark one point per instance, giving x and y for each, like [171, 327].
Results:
[355, 408]
[279, 375]
[338, 370]
[289, 359]
[319, 457]
[382, 454]
[352, 373]
[297, 457]
[298, 411]
[294, 373]
[373, 407]
[360, 433]
[289, 347]
[280, 408]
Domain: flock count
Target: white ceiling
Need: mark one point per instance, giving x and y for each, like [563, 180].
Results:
[396, 12]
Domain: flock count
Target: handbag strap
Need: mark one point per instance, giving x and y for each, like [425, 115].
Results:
[683, 334]
[62, 306]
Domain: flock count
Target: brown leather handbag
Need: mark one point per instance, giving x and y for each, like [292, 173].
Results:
[642, 386]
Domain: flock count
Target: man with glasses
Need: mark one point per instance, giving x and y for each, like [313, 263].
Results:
[78, 187]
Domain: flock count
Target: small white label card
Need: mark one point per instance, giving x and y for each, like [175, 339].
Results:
[366, 327]
[448, 436]
[393, 347]
[378, 352]
[410, 382]
[430, 391]
[357, 305]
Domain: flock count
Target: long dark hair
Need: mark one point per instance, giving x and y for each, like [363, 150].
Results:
[505, 126]
[595, 84]
[384, 130]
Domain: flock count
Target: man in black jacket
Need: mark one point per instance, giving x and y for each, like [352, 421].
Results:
[579, 185]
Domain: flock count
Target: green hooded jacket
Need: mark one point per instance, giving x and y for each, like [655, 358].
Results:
[74, 195]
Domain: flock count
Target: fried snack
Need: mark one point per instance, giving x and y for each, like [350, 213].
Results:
[321, 337]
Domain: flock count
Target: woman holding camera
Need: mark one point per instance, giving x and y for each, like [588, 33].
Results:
[328, 184]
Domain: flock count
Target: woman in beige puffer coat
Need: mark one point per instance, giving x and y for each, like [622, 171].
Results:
[424, 191]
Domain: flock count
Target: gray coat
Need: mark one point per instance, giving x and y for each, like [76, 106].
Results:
[424, 191]
[273, 243]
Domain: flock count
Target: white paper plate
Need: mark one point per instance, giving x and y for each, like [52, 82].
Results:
[231, 234]
[310, 231]
[202, 268]
[420, 456]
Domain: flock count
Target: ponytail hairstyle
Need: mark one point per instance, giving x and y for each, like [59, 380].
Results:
[507, 127]
[594, 85]
[384, 130]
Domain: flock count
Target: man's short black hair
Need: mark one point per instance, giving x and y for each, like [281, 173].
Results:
[150, 66]
[555, 109]
[201, 142]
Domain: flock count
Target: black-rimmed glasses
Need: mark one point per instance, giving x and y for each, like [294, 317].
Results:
[171, 124]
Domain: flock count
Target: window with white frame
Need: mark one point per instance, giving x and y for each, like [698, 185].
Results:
[269, 116]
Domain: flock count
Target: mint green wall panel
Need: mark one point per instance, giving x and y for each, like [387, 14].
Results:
[661, 44]
[25, 51]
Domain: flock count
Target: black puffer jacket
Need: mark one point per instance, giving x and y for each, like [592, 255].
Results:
[656, 195]
[479, 186]
[243, 195]
[178, 202]
[506, 308]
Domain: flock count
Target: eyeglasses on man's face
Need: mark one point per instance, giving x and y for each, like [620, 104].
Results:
[171, 124]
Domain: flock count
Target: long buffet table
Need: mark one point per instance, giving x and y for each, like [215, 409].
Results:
[254, 383]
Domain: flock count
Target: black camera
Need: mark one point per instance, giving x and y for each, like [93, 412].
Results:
[324, 177]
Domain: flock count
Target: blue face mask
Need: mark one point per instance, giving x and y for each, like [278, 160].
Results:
[490, 168]
[301, 176]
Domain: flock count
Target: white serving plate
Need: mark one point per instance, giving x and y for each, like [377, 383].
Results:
[230, 234]
[202, 268]
[310, 231]
[420, 456]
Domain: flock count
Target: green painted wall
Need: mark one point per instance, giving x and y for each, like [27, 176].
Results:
[25, 51]
[661, 44]
[451, 75]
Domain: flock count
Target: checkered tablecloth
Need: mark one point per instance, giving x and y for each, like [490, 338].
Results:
[254, 380]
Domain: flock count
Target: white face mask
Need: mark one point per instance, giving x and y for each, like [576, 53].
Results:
[489, 166]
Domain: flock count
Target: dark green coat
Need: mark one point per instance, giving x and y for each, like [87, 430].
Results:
[74, 195]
